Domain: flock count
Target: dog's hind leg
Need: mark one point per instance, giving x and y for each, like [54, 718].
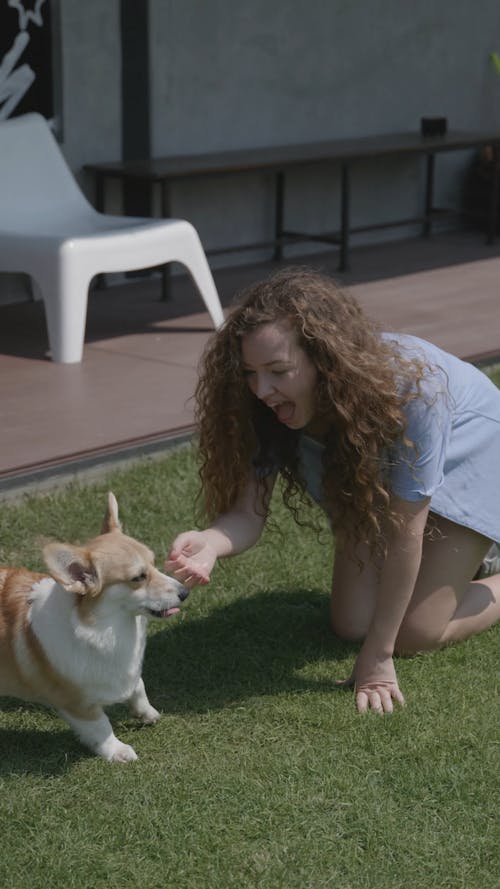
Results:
[98, 734]
[140, 706]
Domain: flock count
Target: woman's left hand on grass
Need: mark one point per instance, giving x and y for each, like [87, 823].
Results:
[375, 684]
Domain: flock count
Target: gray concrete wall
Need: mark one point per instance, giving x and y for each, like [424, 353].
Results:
[91, 81]
[227, 74]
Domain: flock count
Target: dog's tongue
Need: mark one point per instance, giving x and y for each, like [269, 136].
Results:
[168, 612]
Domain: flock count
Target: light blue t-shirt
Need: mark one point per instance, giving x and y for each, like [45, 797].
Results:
[455, 425]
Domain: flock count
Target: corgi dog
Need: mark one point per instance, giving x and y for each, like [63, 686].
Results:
[74, 639]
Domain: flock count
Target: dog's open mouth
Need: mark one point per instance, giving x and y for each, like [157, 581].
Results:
[162, 612]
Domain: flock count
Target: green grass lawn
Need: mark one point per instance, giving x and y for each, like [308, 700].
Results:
[494, 373]
[260, 774]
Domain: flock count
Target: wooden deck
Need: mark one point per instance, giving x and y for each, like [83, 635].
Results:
[133, 392]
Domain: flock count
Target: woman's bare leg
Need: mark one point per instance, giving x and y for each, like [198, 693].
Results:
[446, 606]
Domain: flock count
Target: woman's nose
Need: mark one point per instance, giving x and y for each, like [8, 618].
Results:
[263, 386]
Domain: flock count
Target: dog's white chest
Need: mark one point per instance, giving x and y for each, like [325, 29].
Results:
[108, 664]
[101, 657]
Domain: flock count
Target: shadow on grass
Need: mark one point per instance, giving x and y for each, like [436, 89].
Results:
[251, 647]
[41, 752]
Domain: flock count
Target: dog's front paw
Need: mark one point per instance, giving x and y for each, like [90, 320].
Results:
[140, 706]
[148, 715]
[114, 751]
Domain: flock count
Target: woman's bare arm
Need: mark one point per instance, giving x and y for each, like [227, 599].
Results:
[374, 673]
[194, 553]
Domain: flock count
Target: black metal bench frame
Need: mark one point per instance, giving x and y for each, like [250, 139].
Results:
[162, 172]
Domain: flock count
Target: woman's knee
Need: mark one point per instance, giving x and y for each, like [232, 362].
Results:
[417, 636]
[414, 636]
[450, 558]
[347, 624]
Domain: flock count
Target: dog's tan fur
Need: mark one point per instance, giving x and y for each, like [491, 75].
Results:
[74, 639]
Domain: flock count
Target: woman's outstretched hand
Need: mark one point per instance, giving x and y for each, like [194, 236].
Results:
[191, 559]
[375, 684]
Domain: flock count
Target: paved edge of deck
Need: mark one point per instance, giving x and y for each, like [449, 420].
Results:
[87, 468]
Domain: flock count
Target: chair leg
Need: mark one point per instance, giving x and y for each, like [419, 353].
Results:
[65, 296]
[192, 255]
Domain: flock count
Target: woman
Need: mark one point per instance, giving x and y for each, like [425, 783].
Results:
[396, 439]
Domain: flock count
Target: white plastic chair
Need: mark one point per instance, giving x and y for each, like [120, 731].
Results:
[50, 231]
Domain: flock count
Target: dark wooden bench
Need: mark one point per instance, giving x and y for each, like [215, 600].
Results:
[163, 171]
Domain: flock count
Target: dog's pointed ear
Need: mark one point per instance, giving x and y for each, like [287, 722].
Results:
[111, 521]
[72, 567]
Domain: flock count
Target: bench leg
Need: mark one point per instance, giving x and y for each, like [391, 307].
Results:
[494, 194]
[429, 195]
[166, 213]
[166, 280]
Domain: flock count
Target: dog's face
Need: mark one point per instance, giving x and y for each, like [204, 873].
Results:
[117, 568]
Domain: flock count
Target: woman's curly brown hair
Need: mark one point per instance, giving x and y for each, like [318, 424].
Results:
[362, 381]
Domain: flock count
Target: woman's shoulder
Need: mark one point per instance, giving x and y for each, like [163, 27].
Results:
[410, 346]
[443, 371]
[434, 357]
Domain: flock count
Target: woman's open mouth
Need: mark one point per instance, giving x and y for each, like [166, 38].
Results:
[284, 411]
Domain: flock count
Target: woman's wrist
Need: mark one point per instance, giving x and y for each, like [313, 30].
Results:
[378, 645]
[218, 542]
